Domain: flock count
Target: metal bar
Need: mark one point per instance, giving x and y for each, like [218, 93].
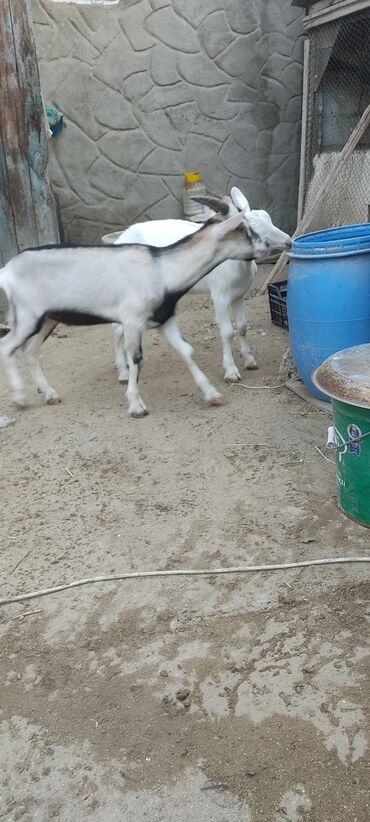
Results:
[302, 164]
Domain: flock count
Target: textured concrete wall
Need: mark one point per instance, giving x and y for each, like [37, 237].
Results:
[152, 88]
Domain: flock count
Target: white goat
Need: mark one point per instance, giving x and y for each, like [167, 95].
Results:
[134, 285]
[228, 284]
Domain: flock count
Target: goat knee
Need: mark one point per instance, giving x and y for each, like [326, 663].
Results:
[172, 334]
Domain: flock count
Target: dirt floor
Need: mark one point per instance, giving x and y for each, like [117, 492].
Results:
[225, 699]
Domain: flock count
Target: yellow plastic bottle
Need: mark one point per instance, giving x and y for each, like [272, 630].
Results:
[193, 187]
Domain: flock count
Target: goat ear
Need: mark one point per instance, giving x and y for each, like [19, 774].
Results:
[215, 204]
[224, 228]
[239, 200]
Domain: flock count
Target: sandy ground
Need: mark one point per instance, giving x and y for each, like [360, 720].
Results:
[225, 699]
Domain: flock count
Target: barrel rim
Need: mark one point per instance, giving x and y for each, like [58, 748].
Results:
[327, 255]
[331, 231]
[337, 241]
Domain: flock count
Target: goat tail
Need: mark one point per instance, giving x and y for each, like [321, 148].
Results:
[11, 315]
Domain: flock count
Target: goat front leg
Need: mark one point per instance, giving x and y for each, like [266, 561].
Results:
[240, 319]
[134, 351]
[223, 320]
[31, 351]
[121, 361]
[172, 334]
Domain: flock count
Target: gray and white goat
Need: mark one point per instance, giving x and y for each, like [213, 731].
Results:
[136, 286]
[227, 284]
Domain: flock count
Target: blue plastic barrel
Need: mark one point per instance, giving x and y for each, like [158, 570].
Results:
[328, 296]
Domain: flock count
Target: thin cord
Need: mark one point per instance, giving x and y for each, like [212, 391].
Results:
[352, 441]
[324, 455]
[182, 573]
[256, 387]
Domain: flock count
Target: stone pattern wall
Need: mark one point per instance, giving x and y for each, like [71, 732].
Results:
[152, 88]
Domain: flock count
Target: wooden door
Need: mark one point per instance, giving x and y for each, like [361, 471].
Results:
[27, 210]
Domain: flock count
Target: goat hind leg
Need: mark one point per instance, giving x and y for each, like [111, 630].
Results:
[14, 339]
[222, 312]
[172, 334]
[121, 361]
[133, 343]
[31, 351]
[239, 314]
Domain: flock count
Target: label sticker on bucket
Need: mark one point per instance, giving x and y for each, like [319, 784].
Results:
[355, 434]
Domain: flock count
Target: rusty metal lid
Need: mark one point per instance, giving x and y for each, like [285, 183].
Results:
[345, 376]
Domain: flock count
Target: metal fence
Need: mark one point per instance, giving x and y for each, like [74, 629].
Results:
[338, 92]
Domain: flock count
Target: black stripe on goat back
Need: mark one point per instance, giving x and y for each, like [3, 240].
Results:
[68, 317]
[62, 246]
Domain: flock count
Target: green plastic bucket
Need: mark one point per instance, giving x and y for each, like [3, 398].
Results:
[345, 377]
[353, 459]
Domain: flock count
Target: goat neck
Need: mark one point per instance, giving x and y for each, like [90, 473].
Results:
[189, 260]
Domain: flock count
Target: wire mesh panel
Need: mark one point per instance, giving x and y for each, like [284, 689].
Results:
[338, 94]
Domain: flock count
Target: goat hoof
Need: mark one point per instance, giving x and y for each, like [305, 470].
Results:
[232, 376]
[123, 378]
[217, 399]
[52, 398]
[251, 364]
[138, 410]
[20, 401]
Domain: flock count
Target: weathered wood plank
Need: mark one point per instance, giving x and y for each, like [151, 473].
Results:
[27, 212]
[15, 138]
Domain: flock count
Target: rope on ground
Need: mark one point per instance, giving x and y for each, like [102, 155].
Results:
[256, 387]
[184, 572]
